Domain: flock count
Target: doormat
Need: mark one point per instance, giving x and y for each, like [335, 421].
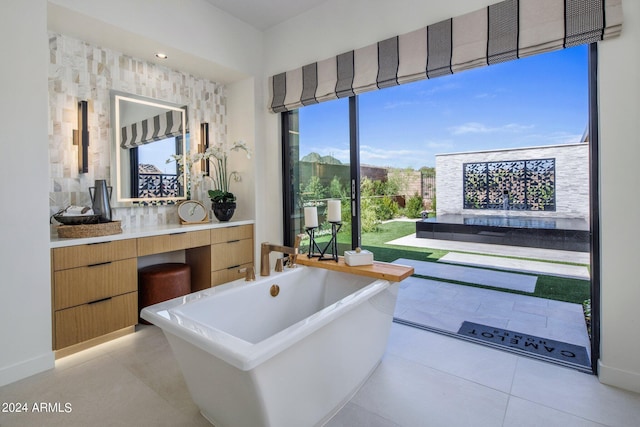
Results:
[527, 344]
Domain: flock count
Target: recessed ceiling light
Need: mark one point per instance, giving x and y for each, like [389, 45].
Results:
[161, 55]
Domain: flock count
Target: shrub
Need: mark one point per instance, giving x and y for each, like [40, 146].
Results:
[386, 208]
[413, 209]
[368, 217]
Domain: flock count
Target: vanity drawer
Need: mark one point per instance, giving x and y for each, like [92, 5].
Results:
[93, 253]
[173, 242]
[88, 321]
[229, 274]
[233, 253]
[228, 234]
[81, 285]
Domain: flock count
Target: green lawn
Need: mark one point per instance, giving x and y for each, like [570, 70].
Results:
[549, 287]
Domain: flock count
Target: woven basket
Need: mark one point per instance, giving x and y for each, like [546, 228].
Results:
[90, 230]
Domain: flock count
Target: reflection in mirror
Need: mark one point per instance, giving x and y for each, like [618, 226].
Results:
[147, 133]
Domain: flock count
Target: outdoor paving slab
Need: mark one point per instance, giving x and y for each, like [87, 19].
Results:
[525, 266]
[445, 306]
[478, 276]
[485, 248]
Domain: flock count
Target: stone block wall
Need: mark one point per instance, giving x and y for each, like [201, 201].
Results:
[571, 179]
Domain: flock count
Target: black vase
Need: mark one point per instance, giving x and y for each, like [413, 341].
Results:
[223, 210]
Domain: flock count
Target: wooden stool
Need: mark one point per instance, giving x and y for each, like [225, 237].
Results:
[162, 282]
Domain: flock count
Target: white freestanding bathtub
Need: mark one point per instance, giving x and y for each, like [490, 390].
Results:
[250, 359]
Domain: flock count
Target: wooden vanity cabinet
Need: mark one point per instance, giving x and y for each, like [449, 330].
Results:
[173, 242]
[231, 251]
[94, 290]
[95, 286]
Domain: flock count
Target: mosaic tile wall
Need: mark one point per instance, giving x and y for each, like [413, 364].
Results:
[81, 71]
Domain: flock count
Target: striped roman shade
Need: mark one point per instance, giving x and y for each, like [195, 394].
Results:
[501, 32]
[166, 125]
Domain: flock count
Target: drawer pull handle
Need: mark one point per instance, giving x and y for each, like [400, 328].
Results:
[100, 300]
[98, 243]
[233, 241]
[98, 264]
[175, 234]
[233, 266]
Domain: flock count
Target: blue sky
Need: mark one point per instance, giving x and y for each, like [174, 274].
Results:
[533, 101]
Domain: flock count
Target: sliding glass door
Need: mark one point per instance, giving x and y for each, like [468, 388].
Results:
[317, 165]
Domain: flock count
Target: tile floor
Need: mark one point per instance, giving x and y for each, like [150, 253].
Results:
[424, 379]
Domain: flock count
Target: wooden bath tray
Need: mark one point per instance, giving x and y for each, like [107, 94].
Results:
[378, 270]
[89, 230]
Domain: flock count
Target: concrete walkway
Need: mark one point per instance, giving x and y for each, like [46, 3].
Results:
[521, 265]
[473, 275]
[484, 248]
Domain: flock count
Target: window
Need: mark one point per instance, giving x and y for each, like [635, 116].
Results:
[394, 135]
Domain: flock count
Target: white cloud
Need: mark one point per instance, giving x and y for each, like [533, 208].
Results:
[475, 127]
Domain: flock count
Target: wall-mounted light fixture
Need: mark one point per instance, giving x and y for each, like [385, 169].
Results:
[81, 138]
[204, 144]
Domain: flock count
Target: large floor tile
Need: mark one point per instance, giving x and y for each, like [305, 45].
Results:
[522, 413]
[352, 415]
[412, 394]
[575, 393]
[477, 363]
[99, 392]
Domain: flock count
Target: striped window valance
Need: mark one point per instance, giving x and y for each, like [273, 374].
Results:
[166, 125]
[501, 32]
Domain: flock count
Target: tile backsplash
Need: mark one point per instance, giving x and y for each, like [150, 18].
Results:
[81, 71]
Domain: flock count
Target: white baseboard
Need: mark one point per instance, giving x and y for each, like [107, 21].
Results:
[26, 368]
[618, 378]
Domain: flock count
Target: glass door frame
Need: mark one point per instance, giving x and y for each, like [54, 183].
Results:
[287, 184]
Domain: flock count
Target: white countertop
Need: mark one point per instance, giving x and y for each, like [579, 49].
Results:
[152, 230]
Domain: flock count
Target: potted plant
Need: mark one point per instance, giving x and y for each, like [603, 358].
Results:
[223, 202]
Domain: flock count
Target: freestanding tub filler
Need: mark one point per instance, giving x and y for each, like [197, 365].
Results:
[294, 359]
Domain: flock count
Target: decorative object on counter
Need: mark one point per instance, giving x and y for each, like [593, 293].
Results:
[100, 197]
[72, 215]
[81, 138]
[215, 175]
[358, 257]
[311, 223]
[89, 230]
[223, 201]
[192, 212]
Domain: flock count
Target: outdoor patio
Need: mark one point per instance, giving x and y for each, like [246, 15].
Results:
[428, 300]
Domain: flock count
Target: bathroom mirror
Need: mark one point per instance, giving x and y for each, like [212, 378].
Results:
[147, 133]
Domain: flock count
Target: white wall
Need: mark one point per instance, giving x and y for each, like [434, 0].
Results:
[338, 26]
[25, 294]
[619, 92]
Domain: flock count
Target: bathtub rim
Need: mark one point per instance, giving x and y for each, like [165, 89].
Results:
[236, 351]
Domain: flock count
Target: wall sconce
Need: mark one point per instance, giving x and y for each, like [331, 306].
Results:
[204, 144]
[81, 138]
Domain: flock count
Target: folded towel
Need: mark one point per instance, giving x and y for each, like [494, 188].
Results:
[77, 211]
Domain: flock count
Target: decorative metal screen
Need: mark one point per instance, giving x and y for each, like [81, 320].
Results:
[526, 185]
[158, 185]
